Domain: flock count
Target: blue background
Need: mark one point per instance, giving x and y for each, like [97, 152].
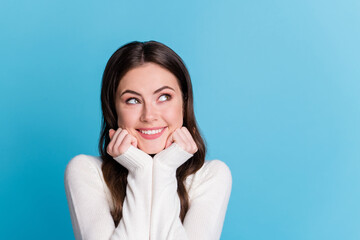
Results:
[276, 87]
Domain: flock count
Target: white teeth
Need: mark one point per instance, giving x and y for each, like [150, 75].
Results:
[150, 132]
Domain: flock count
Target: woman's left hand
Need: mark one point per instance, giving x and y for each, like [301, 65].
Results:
[183, 138]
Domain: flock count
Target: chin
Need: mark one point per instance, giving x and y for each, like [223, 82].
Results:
[151, 150]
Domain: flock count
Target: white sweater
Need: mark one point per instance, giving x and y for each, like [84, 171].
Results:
[151, 207]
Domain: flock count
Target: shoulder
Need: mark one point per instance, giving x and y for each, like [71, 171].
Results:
[83, 165]
[83, 174]
[82, 161]
[215, 169]
[214, 174]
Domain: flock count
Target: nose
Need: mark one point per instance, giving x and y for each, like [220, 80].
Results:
[149, 113]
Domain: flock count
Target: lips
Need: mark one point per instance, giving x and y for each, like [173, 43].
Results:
[151, 133]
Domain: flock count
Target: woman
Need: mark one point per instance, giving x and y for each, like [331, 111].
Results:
[151, 181]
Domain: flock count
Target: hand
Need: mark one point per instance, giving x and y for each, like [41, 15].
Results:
[183, 138]
[120, 141]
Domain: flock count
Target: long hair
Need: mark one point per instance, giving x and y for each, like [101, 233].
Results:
[127, 57]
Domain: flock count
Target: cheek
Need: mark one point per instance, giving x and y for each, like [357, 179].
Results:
[175, 116]
[126, 119]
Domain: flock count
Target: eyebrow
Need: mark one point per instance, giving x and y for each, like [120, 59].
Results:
[156, 91]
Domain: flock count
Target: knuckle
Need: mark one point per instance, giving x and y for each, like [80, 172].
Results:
[108, 149]
[122, 150]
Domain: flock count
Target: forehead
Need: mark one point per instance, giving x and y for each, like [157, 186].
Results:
[148, 78]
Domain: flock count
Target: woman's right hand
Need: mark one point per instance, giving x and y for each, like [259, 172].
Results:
[120, 141]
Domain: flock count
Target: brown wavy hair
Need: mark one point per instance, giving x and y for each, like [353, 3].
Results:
[127, 57]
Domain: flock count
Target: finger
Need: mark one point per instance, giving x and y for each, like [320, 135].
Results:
[187, 143]
[133, 141]
[125, 144]
[119, 139]
[187, 134]
[117, 132]
[180, 139]
[112, 141]
[169, 141]
[111, 133]
[190, 139]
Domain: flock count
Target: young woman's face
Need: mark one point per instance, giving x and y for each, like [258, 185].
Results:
[149, 106]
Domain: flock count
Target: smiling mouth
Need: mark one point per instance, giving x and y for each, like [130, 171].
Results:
[151, 133]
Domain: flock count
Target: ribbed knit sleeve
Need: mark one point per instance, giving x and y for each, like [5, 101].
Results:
[208, 204]
[89, 206]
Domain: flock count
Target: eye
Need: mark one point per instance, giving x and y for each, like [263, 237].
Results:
[164, 97]
[132, 101]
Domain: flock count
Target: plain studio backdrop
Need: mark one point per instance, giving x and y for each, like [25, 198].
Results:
[276, 87]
